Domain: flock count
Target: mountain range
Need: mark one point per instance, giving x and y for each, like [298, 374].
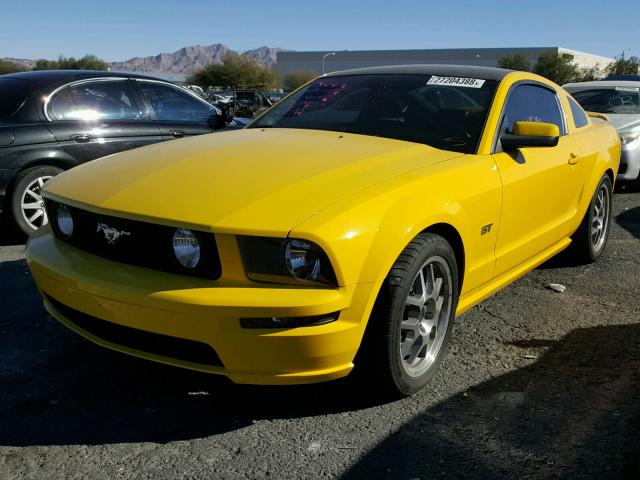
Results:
[182, 63]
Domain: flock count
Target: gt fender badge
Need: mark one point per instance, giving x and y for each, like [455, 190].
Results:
[111, 234]
[486, 229]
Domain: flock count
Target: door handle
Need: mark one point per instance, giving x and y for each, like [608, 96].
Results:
[573, 158]
[82, 138]
[177, 133]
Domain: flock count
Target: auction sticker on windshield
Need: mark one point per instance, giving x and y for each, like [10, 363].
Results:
[456, 81]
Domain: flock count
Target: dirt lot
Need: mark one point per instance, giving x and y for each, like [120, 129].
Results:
[537, 384]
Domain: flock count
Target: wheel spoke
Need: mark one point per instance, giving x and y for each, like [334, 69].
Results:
[407, 344]
[439, 303]
[36, 215]
[416, 348]
[411, 325]
[437, 288]
[33, 194]
[31, 206]
[419, 295]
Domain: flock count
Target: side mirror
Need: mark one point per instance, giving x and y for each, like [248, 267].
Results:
[217, 122]
[530, 134]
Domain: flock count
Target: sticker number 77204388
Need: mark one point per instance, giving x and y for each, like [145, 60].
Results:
[456, 81]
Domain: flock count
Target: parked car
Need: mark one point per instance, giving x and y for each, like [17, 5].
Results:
[619, 100]
[241, 104]
[347, 225]
[51, 121]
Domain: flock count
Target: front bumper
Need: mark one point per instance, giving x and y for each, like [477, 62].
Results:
[204, 312]
[630, 162]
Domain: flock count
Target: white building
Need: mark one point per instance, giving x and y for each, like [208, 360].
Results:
[488, 57]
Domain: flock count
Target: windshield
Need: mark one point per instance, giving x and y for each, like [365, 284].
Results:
[13, 94]
[616, 100]
[443, 112]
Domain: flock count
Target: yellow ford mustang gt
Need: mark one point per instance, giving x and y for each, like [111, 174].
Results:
[348, 225]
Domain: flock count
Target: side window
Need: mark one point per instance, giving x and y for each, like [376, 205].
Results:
[99, 100]
[530, 103]
[579, 117]
[173, 104]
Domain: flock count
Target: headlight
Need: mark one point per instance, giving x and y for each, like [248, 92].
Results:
[64, 220]
[303, 259]
[286, 261]
[186, 248]
[629, 137]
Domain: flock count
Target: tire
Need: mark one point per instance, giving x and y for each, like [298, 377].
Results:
[26, 190]
[404, 343]
[588, 245]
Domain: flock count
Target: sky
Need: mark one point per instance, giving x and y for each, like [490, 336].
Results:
[116, 30]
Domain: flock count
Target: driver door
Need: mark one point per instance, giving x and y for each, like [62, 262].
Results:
[541, 185]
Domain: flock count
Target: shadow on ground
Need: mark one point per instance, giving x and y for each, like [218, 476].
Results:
[57, 388]
[630, 221]
[574, 413]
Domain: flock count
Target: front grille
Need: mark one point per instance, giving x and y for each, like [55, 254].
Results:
[141, 340]
[142, 244]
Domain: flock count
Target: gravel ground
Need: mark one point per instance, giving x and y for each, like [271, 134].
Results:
[537, 384]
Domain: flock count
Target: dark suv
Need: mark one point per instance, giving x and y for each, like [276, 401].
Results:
[51, 121]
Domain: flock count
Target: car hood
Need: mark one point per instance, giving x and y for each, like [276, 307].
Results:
[624, 122]
[252, 181]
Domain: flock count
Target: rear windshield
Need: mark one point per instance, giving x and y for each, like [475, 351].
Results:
[13, 94]
[617, 100]
[443, 112]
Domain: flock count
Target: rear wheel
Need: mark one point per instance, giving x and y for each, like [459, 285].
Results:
[26, 204]
[411, 323]
[591, 237]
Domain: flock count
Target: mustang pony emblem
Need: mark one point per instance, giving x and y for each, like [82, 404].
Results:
[111, 234]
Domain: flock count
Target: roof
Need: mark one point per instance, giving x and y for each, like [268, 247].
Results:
[43, 77]
[602, 84]
[466, 71]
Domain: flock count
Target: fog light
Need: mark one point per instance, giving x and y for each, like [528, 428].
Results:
[186, 248]
[64, 220]
[289, 322]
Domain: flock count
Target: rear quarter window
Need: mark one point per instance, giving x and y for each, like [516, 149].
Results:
[13, 94]
[579, 117]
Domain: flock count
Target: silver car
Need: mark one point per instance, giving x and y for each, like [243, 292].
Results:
[620, 101]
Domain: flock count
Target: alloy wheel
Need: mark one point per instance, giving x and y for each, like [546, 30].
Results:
[426, 317]
[32, 204]
[600, 218]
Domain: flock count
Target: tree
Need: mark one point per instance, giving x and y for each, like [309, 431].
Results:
[557, 67]
[7, 66]
[517, 61]
[591, 74]
[624, 66]
[235, 71]
[297, 78]
[88, 62]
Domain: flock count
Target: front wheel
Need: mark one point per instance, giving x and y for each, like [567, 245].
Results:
[411, 322]
[592, 234]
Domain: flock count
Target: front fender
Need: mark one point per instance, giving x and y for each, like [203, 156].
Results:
[364, 235]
